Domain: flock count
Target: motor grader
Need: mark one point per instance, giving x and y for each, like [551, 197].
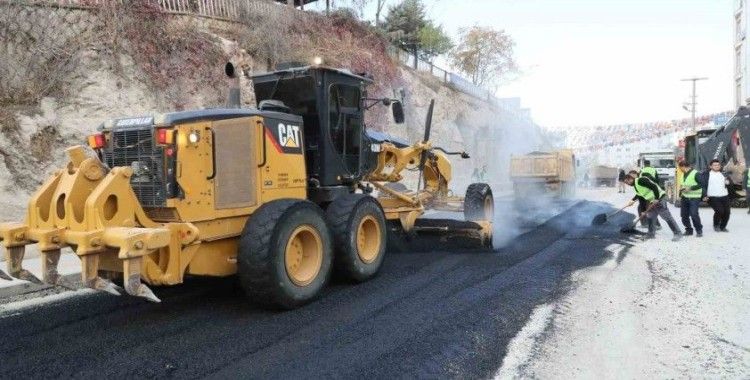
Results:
[280, 195]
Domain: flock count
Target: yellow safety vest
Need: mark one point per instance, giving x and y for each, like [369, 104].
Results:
[650, 171]
[688, 182]
[645, 192]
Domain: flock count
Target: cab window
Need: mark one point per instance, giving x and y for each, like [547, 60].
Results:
[345, 123]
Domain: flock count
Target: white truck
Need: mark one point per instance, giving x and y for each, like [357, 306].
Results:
[663, 161]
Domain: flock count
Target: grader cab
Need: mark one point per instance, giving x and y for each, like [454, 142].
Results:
[280, 195]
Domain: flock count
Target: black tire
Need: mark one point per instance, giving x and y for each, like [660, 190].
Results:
[478, 195]
[261, 258]
[346, 215]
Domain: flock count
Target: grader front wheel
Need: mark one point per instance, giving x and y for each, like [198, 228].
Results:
[358, 226]
[479, 203]
[285, 254]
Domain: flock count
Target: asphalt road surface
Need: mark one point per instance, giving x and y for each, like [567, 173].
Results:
[436, 314]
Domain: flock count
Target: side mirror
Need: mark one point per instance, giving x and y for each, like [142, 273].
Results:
[398, 112]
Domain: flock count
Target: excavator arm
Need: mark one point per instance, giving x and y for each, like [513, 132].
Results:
[730, 144]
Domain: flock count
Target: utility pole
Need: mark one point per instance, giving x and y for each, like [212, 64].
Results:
[693, 101]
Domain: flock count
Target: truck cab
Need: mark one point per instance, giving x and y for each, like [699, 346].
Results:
[662, 161]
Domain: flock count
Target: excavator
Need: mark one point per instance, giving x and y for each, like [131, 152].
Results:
[730, 144]
[281, 195]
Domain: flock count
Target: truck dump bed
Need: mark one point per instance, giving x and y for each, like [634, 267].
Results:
[603, 175]
[543, 166]
[537, 173]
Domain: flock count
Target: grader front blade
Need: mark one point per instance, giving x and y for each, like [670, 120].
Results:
[97, 214]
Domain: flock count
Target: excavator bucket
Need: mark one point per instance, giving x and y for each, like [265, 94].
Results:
[96, 213]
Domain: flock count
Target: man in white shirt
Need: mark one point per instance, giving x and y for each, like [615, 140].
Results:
[716, 194]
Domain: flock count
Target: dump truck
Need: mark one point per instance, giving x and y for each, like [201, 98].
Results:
[539, 173]
[280, 195]
[602, 175]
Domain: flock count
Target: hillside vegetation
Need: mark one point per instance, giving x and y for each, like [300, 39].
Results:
[64, 70]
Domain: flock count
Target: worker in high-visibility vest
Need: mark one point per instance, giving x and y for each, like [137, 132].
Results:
[650, 171]
[691, 194]
[655, 197]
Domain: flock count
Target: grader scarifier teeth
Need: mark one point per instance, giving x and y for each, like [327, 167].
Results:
[93, 212]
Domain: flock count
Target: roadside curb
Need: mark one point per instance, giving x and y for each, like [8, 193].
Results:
[24, 288]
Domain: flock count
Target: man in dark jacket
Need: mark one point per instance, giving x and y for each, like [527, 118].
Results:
[655, 197]
[621, 181]
[691, 193]
[715, 187]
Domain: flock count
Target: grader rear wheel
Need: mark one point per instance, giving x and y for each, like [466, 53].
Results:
[479, 203]
[359, 231]
[285, 255]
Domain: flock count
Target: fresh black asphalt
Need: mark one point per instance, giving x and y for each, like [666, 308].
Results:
[436, 314]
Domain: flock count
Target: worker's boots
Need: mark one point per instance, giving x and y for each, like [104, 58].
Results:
[688, 232]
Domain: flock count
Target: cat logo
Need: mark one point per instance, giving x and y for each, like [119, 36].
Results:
[289, 136]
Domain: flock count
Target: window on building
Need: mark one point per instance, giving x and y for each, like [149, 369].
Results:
[738, 93]
[738, 61]
[738, 28]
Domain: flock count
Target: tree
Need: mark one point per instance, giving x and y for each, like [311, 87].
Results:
[485, 55]
[378, 10]
[404, 22]
[433, 41]
[357, 6]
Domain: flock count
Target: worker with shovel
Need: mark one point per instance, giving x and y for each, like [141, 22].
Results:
[691, 193]
[657, 204]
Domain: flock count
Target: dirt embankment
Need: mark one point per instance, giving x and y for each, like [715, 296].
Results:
[64, 71]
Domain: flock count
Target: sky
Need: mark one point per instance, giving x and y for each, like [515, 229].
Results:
[601, 62]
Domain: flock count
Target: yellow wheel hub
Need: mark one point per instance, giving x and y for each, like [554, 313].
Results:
[304, 255]
[368, 239]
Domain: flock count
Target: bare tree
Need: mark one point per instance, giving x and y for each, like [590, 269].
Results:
[485, 55]
[378, 10]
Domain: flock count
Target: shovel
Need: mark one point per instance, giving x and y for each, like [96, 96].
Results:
[630, 228]
[603, 218]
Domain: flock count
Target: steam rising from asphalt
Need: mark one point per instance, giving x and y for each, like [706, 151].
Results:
[508, 135]
[516, 217]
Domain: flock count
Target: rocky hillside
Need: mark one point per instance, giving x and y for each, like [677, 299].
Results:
[85, 66]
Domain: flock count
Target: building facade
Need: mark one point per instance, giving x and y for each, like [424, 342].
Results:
[741, 76]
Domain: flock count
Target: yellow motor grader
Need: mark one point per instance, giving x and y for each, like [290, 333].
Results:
[280, 195]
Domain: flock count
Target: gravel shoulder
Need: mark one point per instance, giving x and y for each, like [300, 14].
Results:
[657, 309]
